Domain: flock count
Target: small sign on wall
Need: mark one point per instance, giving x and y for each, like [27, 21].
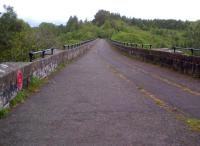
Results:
[19, 80]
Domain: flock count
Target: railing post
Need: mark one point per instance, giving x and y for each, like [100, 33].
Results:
[150, 46]
[43, 53]
[174, 48]
[192, 51]
[52, 51]
[31, 56]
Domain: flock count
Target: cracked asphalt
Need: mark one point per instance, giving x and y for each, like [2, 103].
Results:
[98, 101]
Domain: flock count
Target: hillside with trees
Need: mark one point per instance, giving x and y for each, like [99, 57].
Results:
[17, 37]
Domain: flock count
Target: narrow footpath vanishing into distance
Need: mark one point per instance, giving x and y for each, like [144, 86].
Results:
[107, 99]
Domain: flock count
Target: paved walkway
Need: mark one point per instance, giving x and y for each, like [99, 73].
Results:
[107, 99]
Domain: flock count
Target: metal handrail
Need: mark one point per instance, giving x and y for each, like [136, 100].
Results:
[77, 44]
[132, 44]
[181, 48]
[42, 52]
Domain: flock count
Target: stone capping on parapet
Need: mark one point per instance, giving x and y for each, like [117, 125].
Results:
[40, 68]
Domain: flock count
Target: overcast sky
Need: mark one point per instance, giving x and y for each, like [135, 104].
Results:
[58, 11]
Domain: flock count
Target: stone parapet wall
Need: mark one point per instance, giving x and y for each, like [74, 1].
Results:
[185, 64]
[39, 68]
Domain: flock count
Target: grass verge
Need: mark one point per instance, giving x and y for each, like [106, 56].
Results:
[34, 86]
[19, 98]
[4, 112]
[194, 124]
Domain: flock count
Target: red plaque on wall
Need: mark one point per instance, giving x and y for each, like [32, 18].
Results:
[19, 80]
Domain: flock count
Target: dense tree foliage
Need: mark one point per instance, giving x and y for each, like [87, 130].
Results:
[17, 38]
[72, 24]
[9, 25]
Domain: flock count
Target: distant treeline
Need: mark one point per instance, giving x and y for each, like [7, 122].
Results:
[17, 38]
[102, 15]
[159, 32]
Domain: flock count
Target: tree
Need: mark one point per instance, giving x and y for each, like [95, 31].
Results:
[72, 24]
[195, 35]
[9, 26]
[100, 17]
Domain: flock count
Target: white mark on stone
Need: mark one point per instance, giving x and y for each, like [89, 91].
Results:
[4, 65]
[2, 71]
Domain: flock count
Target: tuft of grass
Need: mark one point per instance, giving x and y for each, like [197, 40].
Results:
[159, 102]
[19, 98]
[4, 112]
[140, 87]
[194, 124]
[35, 84]
[62, 65]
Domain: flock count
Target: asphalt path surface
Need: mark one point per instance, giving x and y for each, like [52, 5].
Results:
[107, 99]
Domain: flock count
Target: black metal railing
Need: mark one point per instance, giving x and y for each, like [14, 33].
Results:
[42, 53]
[50, 51]
[71, 46]
[135, 45]
[183, 50]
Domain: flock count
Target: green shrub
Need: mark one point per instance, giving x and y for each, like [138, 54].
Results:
[4, 112]
[20, 97]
